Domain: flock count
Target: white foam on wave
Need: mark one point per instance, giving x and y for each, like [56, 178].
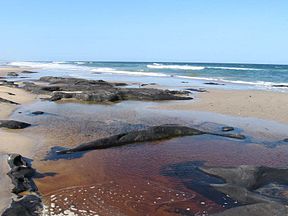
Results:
[256, 83]
[134, 73]
[47, 65]
[78, 67]
[175, 67]
[235, 68]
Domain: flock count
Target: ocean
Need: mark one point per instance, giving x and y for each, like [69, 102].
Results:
[260, 76]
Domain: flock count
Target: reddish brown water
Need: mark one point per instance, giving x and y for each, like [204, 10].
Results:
[156, 178]
[129, 180]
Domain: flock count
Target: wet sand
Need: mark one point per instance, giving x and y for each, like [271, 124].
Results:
[5, 70]
[260, 104]
[10, 140]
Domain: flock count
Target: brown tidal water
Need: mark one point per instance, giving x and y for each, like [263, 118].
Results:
[155, 178]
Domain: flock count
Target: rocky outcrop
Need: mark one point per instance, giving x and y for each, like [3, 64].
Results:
[21, 173]
[260, 189]
[242, 191]
[30, 205]
[151, 134]
[259, 209]
[8, 83]
[99, 91]
[12, 74]
[11, 124]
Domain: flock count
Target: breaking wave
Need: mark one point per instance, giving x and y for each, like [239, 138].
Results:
[175, 67]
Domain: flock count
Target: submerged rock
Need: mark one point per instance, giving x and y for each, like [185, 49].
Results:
[242, 191]
[260, 209]
[253, 185]
[11, 124]
[151, 134]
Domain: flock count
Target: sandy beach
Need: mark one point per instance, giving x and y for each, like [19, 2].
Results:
[11, 141]
[243, 103]
[72, 184]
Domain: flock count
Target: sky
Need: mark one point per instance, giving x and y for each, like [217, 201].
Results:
[246, 31]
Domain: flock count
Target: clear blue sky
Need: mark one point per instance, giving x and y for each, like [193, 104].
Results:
[253, 31]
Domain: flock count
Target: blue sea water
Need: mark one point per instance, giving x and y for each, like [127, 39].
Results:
[249, 75]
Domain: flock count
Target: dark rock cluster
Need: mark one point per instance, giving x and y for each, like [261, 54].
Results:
[21, 174]
[99, 91]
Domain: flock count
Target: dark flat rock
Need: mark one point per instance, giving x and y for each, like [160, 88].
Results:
[280, 86]
[213, 83]
[37, 113]
[285, 140]
[9, 93]
[11, 124]
[2, 100]
[196, 90]
[150, 134]
[28, 72]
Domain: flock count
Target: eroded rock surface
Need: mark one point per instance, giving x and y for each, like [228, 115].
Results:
[261, 190]
[260, 209]
[99, 91]
[242, 191]
[21, 173]
[30, 205]
[151, 134]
